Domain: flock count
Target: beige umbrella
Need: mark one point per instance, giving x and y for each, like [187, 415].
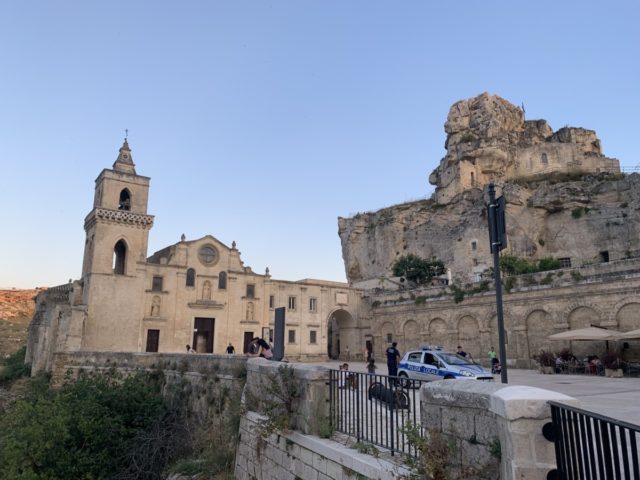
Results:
[628, 335]
[589, 333]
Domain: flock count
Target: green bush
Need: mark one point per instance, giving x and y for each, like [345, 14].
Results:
[548, 263]
[90, 430]
[14, 368]
[467, 137]
[417, 269]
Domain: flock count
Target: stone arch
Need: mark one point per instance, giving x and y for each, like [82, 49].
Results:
[120, 250]
[206, 290]
[411, 331]
[614, 318]
[575, 306]
[583, 316]
[156, 302]
[124, 202]
[437, 332]
[341, 333]
[468, 335]
[626, 317]
[539, 324]
[191, 278]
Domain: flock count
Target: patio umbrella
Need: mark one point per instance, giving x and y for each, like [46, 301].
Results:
[589, 333]
[629, 335]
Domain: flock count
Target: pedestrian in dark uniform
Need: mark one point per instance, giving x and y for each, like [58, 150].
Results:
[393, 358]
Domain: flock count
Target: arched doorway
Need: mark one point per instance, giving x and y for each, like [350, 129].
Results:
[341, 334]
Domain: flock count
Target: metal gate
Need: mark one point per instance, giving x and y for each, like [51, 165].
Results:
[591, 446]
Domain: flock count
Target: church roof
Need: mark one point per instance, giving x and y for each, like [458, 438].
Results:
[124, 162]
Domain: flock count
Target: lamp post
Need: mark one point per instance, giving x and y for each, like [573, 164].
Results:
[498, 241]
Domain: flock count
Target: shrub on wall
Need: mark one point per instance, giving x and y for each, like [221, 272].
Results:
[417, 269]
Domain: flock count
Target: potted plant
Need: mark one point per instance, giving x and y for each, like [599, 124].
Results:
[612, 364]
[546, 361]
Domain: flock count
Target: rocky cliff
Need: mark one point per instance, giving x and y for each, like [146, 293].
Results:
[16, 310]
[564, 199]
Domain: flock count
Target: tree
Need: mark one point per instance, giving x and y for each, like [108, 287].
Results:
[417, 269]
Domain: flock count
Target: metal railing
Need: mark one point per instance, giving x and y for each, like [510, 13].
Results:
[375, 409]
[593, 447]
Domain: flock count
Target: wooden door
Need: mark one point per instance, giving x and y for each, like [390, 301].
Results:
[153, 340]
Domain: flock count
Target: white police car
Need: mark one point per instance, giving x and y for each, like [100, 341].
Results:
[432, 363]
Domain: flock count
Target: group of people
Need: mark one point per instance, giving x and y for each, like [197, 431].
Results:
[258, 347]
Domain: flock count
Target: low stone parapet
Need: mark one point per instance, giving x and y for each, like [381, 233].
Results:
[492, 429]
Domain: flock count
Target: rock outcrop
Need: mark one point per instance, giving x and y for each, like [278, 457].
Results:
[564, 199]
[488, 139]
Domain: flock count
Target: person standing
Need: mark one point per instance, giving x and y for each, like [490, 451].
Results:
[190, 350]
[230, 349]
[493, 358]
[393, 358]
[347, 354]
[461, 352]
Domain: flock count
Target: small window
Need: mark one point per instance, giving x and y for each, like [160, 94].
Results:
[604, 256]
[119, 258]
[125, 200]
[544, 160]
[473, 180]
[222, 281]
[565, 262]
[272, 301]
[153, 340]
[389, 337]
[474, 245]
[313, 304]
[292, 336]
[313, 337]
[156, 284]
[191, 278]
[415, 357]
[251, 291]
[292, 303]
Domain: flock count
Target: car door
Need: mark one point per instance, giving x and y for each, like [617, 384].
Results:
[430, 367]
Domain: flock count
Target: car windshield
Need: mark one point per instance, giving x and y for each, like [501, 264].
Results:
[454, 359]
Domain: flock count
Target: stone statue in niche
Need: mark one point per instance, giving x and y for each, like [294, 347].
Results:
[155, 306]
[250, 311]
[206, 290]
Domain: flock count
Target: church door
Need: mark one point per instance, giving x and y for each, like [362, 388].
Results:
[203, 330]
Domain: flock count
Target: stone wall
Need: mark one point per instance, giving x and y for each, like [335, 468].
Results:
[205, 381]
[606, 295]
[298, 453]
[294, 456]
[492, 430]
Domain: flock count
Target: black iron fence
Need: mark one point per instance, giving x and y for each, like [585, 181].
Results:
[375, 409]
[593, 447]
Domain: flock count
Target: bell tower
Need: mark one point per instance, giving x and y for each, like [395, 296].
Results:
[117, 228]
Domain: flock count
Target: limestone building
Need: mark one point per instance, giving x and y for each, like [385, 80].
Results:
[195, 292]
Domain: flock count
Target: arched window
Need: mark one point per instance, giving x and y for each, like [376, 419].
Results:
[544, 159]
[125, 200]
[222, 281]
[473, 180]
[120, 258]
[191, 278]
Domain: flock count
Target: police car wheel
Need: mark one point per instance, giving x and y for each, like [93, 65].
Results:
[404, 380]
[449, 377]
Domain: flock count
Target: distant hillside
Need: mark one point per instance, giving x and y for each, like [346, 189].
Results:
[16, 310]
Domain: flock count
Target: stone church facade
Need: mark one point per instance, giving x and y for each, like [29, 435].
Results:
[195, 292]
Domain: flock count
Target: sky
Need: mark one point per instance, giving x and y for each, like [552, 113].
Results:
[264, 121]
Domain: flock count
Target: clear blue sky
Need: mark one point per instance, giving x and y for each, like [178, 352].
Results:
[263, 121]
